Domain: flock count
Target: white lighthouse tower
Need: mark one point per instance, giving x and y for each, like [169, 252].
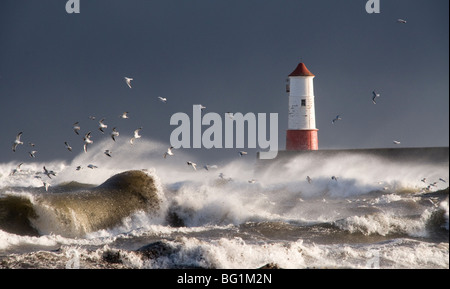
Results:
[302, 131]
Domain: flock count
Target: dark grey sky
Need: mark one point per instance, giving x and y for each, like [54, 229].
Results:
[229, 55]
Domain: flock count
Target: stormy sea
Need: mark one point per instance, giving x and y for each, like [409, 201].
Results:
[139, 210]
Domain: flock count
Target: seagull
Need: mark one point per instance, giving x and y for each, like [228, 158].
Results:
[242, 153]
[78, 168]
[442, 180]
[31, 144]
[87, 140]
[49, 173]
[338, 117]
[252, 181]
[163, 99]
[202, 107]
[194, 165]
[91, 166]
[32, 154]
[102, 125]
[230, 115]
[308, 179]
[208, 167]
[374, 96]
[169, 152]
[334, 178]
[46, 185]
[114, 134]
[128, 81]
[124, 115]
[69, 148]
[92, 117]
[76, 127]
[136, 135]
[401, 21]
[17, 142]
[396, 142]
[108, 153]
[16, 170]
[424, 180]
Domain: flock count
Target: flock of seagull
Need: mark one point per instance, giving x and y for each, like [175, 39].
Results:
[102, 127]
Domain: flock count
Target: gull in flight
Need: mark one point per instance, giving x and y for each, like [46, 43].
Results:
[91, 166]
[49, 173]
[252, 181]
[124, 115]
[374, 96]
[16, 170]
[76, 127]
[202, 107]
[87, 140]
[114, 134]
[136, 135]
[163, 99]
[69, 148]
[396, 142]
[32, 154]
[402, 21]
[334, 178]
[194, 165]
[92, 117]
[46, 185]
[108, 153]
[128, 81]
[169, 152]
[242, 153]
[308, 179]
[442, 180]
[17, 142]
[101, 125]
[230, 115]
[338, 117]
[208, 167]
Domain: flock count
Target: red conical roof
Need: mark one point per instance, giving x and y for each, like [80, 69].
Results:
[301, 70]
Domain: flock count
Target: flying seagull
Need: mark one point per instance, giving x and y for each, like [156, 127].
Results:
[87, 140]
[102, 125]
[32, 154]
[128, 81]
[374, 96]
[338, 117]
[16, 170]
[108, 153]
[163, 99]
[91, 166]
[17, 142]
[334, 178]
[114, 134]
[136, 135]
[396, 142]
[242, 153]
[169, 152]
[46, 185]
[49, 173]
[194, 165]
[124, 115]
[402, 21]
[76, 127]
[69, 148]
[308, 179]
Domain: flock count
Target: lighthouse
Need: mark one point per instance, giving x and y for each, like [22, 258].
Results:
[302, 131]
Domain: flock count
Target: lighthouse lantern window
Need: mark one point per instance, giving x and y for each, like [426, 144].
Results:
[303, 102]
